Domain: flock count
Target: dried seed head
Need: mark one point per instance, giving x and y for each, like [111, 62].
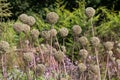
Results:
[44, 49]
[31, 20]
[52, 17]
[118, 50]
[45, 34]
[83, 40]
[40, 69]
[28, 56]
[82, 67]
[118, 61]
[63, 32]
[109, 45]
[63, 49]
[76, 29]
[26, 28]
[83, 53]
[35, 33]
[23, 18]
[18, 27]
[118, 45]
[95, 68]
[53, 32]
[110, 53]
[90, 12]
[4, 47]
[95, 41]
[59, 56]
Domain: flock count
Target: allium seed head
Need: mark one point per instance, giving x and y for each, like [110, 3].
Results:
[63, 32]
[26, 28]
[118, 45]
[40, 68]
[18, 27]
[82, 67]
[83, 53]
[23, 18]
[59, 56]
[90, 12]
[52, 17]
[53, 32]
[45, 34]
[76, 29]
[83, 40]
[95, 41]
[4, 47]
[118, 61]
[35, 33]
[95, 68]
[109, 45]
[63, 49]
[118, 50]
[28, 56]
[31, 20]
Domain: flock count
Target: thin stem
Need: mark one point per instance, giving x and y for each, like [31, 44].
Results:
[93, 33]
[3, 60]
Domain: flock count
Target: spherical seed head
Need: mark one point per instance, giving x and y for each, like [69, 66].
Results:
[110, 53]
[109, 45]
[76, 29]
[59, 56]
[82, 67]
[40, 68]
[18, 27]
[118, 61]
[4, 47]
[118, 50]
[83, 53]
[23, 18]
[28, 56]
[95, 68]
[63, 32]
[95, 41]
[35, 33]
[45, 34]
[53, 32]
[118, 45]
[52, 17]
[90, 12]
[26, 28]
[31, 20]
[83, 40]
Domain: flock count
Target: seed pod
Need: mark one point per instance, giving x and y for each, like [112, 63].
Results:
[83, 40]
[53, 32]
[31, 20]
[82, 67]
[63, 32]
[4, 47]
[76, 29]
[90, 12]
[95, 68]
[18, 27]
[40, 69]
[26, 28]
[23, 18]
[45, 34]
[28, 56]
[35, 34]
[109, 45]
[95, 41]
[83, 53]
[110, 53]
[52, 17]
[59, 56]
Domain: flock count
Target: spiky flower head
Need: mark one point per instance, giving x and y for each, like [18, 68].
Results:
[76, 29]
[90, 12]
[109, 45]
[45, 34]
[31, 20]
[82, 67]
[26, 28]
[83, 53]
[4, 47]
[83, 40]
[59, 56]
[35, 33]
[28, 56]
[18, 27]
[23, 18]
[53, 32]
[52, 17]
[40, 69]
[95, 41]
[63, 32]
[95, 68]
